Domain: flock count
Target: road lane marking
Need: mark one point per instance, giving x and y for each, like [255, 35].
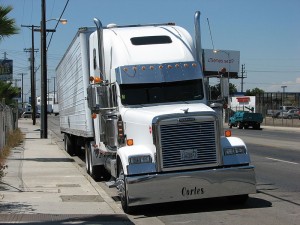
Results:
[279, 160]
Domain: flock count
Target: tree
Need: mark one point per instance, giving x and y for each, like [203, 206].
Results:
[215, 90]
[254, 92]
[8, 92]
[7, 25]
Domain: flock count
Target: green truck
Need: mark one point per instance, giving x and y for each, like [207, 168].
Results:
[244, 119]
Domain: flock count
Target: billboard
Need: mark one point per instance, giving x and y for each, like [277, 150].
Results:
[6, 69]
[215, 61]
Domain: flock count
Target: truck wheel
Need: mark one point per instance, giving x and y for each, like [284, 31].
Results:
[256, 126]
[87, 158]
[69, 147]
[98, 172]
[240, 125]
[238, 199]
[121, 186]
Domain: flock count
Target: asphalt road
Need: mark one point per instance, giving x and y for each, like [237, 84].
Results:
[275, 154]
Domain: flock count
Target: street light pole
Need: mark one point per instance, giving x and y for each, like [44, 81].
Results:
[282, 98]
[224, 82]
[282, 102]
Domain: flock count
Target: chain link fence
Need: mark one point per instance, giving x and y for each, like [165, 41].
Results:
[8, 123]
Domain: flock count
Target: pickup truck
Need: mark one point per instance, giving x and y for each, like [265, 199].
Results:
[244, 119]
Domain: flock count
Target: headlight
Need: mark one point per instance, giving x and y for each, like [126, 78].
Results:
[235, 150]
[138, 159]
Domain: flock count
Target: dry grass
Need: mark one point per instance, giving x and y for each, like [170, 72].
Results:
[14, 139]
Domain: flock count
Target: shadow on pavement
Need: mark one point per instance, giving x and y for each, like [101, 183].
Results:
[47, 159]
[60, 219]
[198, 206]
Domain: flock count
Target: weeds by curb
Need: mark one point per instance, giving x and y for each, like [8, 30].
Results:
[14, 139]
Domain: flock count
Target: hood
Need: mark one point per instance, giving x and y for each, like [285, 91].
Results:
[145, 115]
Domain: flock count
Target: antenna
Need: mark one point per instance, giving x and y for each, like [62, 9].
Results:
[212, 42]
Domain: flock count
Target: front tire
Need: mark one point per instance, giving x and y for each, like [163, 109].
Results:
[121, 186]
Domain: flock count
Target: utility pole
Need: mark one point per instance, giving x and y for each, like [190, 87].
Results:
[32, 77]
[48, 95]
[54, 90]
[242, 78]
[44, 122]
[22, 74]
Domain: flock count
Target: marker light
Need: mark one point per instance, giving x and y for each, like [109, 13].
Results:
[94, 115]
[160, 67]
[194, 64]
[186, 65]
[151, 67]
[227, 133]
[143, 68]
[97, 80]
[170, 67]
[129, 142]
[91, 79]
[120, 129]
[177, 65]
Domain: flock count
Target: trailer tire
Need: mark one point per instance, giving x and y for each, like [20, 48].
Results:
[69, 145]
[121, 186]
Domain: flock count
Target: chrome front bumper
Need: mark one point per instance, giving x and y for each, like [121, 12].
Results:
[188, 185]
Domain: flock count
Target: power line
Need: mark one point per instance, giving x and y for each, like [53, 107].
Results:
[58, 22]
[273, 71]
[212, 42]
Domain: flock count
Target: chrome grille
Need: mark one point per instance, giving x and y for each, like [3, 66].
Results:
[198, 137]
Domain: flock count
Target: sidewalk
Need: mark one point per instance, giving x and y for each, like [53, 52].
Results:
[43, 184]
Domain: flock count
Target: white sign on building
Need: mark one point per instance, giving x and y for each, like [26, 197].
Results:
[242, 103]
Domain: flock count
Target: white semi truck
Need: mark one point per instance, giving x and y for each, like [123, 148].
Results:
[134, 98]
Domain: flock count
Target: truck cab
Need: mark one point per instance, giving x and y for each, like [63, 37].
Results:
[152, 114]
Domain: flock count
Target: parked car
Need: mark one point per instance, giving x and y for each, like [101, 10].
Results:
[291, 114]
[278, 113]
[29, 114]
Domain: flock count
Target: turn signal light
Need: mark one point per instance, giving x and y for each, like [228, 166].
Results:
[97, 80]
[94, 115]
[129, 142]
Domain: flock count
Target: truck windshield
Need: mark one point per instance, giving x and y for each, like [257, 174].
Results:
[138, 94]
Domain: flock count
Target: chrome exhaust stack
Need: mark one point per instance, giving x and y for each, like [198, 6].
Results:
[100, 48]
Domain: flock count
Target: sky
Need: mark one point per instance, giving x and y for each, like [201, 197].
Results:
[267, 33]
